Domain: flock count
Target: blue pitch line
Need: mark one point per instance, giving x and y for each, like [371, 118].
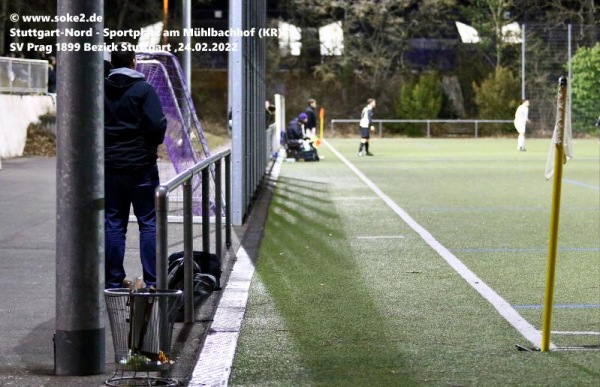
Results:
[500, 208]
[517, 250]
[575, 182]
[560, 306]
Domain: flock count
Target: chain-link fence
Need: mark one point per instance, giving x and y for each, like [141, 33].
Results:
[548, 52]
[23, 76]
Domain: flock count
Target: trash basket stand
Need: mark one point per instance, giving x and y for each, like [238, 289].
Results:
[142, 325]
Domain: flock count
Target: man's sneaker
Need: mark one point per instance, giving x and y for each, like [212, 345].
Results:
[370, 154]
[360, 154]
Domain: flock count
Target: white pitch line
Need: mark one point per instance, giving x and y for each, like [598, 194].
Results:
[352, 198]
[381, 237]
[502, 306]
[575, 333]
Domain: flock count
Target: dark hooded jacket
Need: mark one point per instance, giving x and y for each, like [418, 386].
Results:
[134, 122]
[294, 130]
[311, 122]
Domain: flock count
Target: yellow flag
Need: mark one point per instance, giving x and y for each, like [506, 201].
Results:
[316, 141]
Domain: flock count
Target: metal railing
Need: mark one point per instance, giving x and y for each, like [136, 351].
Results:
[24, 76]
[184, 179]
[427, 122]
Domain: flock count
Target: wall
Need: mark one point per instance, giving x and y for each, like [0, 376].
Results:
[17, 112]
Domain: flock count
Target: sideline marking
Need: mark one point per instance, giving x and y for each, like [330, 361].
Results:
[353, 198]
[576, 333]
[213, 367]
[560, 306]
[381, 237]
[580, 184]
[521, 250]
[502, 306]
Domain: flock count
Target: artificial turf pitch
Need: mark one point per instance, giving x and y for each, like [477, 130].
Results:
[347, 293]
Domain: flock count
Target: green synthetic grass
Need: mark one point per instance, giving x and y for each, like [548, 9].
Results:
[346, 293]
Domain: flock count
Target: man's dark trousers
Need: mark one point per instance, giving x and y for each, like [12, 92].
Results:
[122, 189]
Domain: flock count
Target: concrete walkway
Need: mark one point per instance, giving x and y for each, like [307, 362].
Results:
[28, 279]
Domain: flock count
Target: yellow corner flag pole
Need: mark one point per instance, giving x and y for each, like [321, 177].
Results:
[321, 121]
[559, 155]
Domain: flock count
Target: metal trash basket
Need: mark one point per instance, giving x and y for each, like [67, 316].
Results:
[142, 325]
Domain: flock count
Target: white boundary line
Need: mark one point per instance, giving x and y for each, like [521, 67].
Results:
[502, 306]
[381, 237]
[581, 184]
[213, 367]
[576, 333]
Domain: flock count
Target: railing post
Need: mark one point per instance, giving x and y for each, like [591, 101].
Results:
[188, 252]
[162, 243]
[332, 123]
[476, 128]
[10, 76]
[218, 209]
[428, 129]
[205, 211]
[228, 200]
[380, 130]
[162, 207]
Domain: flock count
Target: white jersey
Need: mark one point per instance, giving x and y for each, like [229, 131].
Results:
[365, 117]
[521, 118]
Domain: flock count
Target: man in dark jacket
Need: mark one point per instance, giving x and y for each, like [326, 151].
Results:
[134, 126]
[296, 127]
[298, 138]
[311, 114]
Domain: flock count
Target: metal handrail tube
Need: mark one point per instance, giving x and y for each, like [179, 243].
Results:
[218, 208]
[228, 210]
[205, 211]
[428, 122]
[162, 208]
[188, 251]
[161, 198]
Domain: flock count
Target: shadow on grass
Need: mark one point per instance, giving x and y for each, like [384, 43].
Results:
[310, 273]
